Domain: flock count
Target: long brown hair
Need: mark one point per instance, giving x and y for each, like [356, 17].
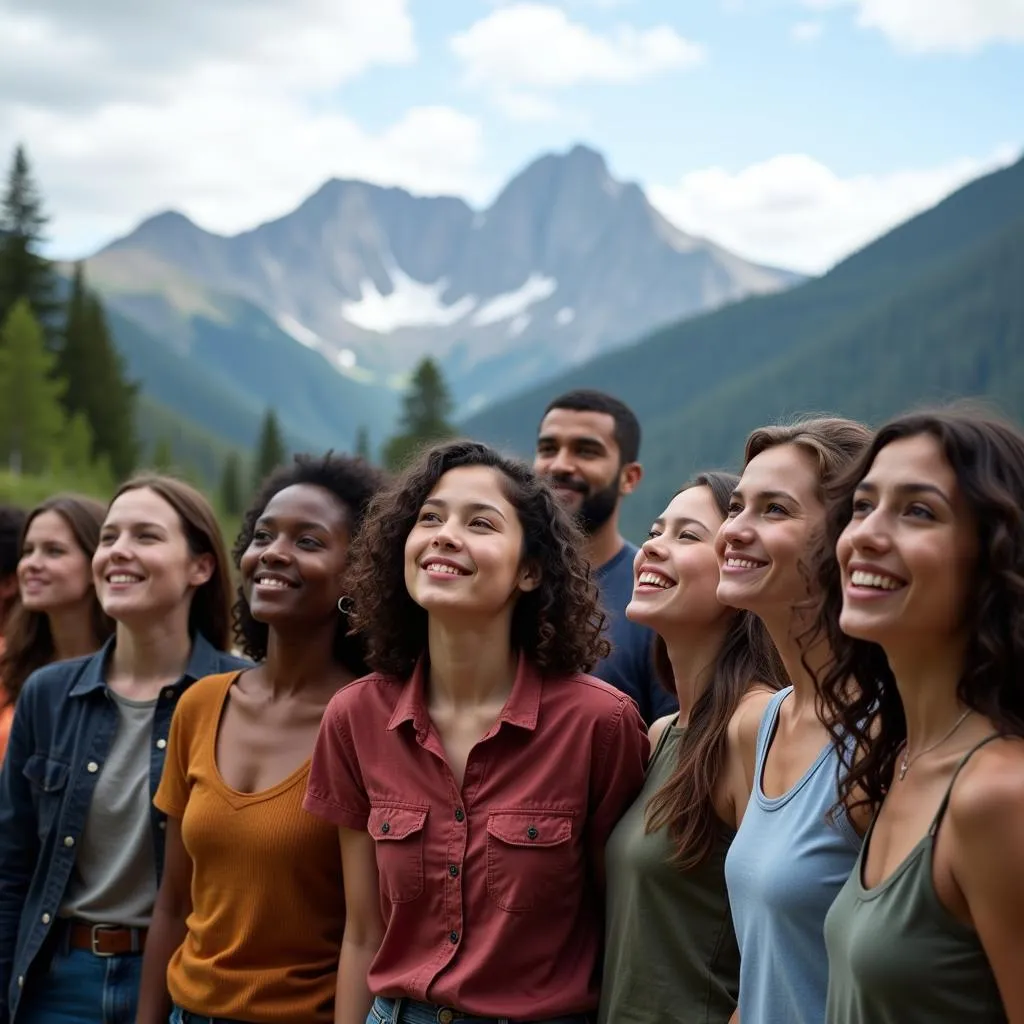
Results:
[29, 641]
[210, 612]
[987, 456]
[685, 803]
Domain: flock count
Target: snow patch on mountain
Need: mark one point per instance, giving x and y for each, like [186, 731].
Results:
[410, 304]
[509, 305]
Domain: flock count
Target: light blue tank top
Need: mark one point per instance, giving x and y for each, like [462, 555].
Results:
[784, 868]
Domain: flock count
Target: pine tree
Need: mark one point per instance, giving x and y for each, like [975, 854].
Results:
[425, 410]
[270, 450]
[24, 273]
[95, 376]
[31, 418]
[231, 498]
[362, 449]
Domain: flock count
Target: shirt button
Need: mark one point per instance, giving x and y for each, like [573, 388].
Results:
[453, 870]
[459, 814]
[162, 825]
[453, 937]
[161, 743]
[385, 828]
[445, 1016]
[69, 840]
[168, 694]
[21, 981]
[46, 919]
[92, 767]
[532, 833]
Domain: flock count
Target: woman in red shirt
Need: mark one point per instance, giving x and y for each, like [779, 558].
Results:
[476, 775]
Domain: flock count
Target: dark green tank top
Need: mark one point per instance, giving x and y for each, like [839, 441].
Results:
[896, 955]
[670, 949]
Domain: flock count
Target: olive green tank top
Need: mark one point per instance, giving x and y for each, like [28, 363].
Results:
[896, 955]
[670, 949]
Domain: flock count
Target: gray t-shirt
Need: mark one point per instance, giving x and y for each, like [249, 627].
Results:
[114, 881]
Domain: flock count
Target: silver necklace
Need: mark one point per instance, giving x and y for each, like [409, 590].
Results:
[905, 763]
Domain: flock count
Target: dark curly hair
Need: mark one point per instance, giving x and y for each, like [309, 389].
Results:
[685, 802]
[353, 482]
[558, 626]
[987, 456]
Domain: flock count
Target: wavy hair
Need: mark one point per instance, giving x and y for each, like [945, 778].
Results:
[29, 641]
[685, 802]
[558, 626]
[987, 457]
[210, 611]
[353, 482]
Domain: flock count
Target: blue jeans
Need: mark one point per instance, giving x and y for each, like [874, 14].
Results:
[406, 1011]
[82, 988]
[180, 1016]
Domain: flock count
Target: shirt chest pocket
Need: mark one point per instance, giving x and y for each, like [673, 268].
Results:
[529, 857]
[49, 780]
[397, 831]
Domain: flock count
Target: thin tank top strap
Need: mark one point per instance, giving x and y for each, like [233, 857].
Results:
[941, 812]
[766, 730]
[663, 738]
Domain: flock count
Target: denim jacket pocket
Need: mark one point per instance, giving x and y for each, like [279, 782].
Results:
[397, 831]
[529, 856]
[48, 779]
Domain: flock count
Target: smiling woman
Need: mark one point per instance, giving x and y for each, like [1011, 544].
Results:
[86, 751]
[226, 935]
[57, 614]
[924, 607]
[476, 776]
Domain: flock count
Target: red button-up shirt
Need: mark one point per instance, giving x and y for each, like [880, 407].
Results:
[492, 896]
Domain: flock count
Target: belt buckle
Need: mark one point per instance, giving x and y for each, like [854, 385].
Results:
[94, 937]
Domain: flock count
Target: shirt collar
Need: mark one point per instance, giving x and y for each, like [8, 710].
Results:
[204, 660]
[522, 708]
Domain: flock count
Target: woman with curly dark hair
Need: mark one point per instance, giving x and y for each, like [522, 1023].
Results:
[249, 918]
[788, 858]
[929, 595]
[476, 775]
[671, 952]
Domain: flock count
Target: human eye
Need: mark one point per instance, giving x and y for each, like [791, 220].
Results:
[480, 521]
[735, 508]
[689, 535]
[919, 511]
[773, 508]
[860, 507]
[260, 536]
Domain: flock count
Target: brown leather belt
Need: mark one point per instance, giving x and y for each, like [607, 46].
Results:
[106, 939]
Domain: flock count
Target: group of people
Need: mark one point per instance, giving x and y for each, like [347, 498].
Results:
[446, 747]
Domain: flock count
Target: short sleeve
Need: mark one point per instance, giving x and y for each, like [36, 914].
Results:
[336, 791]
[173, 792]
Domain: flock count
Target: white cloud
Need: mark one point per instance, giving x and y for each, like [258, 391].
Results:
[957, 26]
[793, 211]
[806, 31]
[225, 111]
[536, 46]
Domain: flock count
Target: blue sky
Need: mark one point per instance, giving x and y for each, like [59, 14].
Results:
[792, 131]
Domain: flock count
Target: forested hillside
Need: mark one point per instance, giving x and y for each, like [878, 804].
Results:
[931, 311]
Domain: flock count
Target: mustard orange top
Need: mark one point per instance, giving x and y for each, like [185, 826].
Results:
[268, 909]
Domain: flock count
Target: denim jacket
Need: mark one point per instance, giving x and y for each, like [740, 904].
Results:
[64, 725]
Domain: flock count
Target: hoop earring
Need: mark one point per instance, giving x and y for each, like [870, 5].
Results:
[345, 605]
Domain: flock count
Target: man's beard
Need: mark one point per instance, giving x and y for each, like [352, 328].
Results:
[596, 508]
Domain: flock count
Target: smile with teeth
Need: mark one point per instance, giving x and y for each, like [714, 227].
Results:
[654, 579]
[274, 582]
[123, 577]
[874, 581]
[451, 570]
[743, 563]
